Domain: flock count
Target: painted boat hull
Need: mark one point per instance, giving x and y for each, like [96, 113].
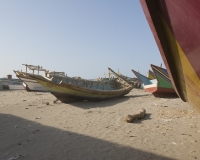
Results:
[29, 83]
[143, 79]
[150, 75]
[164, 86]
[160, 92]
[160, 87]
[175, 25]
[32, 85]
[70, 92]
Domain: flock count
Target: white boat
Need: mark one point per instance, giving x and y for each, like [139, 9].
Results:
[29, 83]
[16, 87]
[6, 82]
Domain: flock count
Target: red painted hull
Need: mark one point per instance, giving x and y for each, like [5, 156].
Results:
[175, 25]
[161, 92]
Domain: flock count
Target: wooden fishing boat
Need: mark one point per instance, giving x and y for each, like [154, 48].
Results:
[175, 25]
[150, 75]
[159, 87]
[145, 81]
[29, 83]
[68, 89]
[164, 85]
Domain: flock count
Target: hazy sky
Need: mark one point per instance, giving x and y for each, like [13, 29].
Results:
[80, 37]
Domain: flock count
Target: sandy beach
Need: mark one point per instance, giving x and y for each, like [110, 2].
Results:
[34, 128]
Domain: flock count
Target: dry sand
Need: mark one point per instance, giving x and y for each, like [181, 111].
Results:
[30, 129]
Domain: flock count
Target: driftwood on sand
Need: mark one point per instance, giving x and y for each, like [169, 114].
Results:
[130, 118]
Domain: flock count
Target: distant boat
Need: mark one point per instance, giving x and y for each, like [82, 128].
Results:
[16, 87]
[159, 87]
[68, 89]
[145, 81]
[164, 85]
[29, 83]
[175, 25]
[150, 75]
[6, 82]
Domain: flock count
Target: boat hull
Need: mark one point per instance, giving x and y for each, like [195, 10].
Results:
[29, 83]
[150, 75]
[175, 26]
[16, 87]
[68, 98]
[70, 92]
[161, 86]
[160, 92]
[32, 85]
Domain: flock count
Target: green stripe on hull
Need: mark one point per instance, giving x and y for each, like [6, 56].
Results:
[163, 83]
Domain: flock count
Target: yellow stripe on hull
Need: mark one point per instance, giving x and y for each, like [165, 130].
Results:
[189, 79]
[57, 88]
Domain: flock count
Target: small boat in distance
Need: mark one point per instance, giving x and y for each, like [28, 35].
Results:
[165, 87]
[10, 83]
[16, 87]
[68, 89]
[145, 81]
[150, 75]
[175, 26]
[29, 83]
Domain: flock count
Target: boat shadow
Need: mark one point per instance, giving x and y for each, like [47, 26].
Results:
[32, 140]
[106, 103]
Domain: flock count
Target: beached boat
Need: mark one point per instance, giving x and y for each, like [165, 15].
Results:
[29, 83]
[145, 81]
[132, 81]
[7, 83]
[16, 87]
[164, 85]
[67, 89]
[175, 25]
[159, 87]
[150, 75]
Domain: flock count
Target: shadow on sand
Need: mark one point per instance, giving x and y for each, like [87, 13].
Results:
[146, 117]
[38, 142]
[107, 103]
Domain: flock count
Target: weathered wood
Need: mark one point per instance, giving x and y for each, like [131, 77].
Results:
[140, 115]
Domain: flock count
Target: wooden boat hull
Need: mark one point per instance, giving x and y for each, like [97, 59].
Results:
[70, 92]
[160, 91]
[161, 86]
[30, 84]
[175, 25]
[67, 98]
[143, 79]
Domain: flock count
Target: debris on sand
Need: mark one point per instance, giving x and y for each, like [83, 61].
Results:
[140, 115]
